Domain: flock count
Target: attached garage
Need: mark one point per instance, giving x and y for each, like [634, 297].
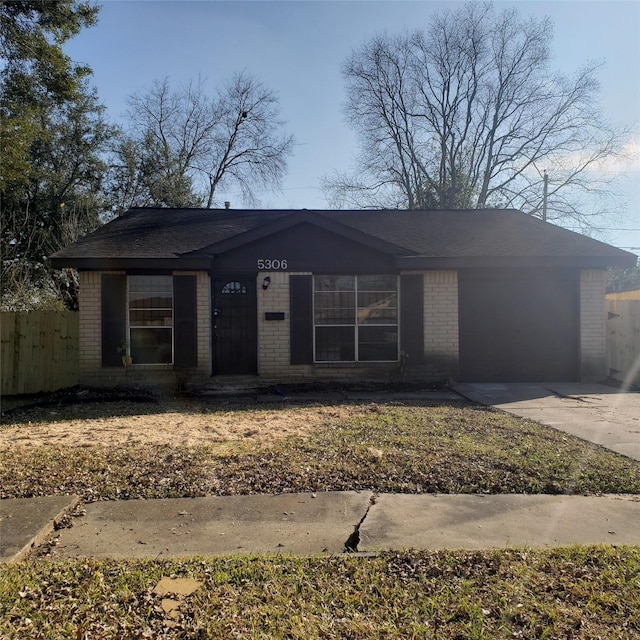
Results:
[519, 325]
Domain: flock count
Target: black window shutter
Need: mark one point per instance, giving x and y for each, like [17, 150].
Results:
[185, 337]
[114, 319]
[301, 319]
[412, 317]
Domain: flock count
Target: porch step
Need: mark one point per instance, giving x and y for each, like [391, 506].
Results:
[231, 386]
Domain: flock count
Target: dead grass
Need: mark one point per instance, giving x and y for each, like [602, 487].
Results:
[177, 449]
[172, 422]
[583, 593]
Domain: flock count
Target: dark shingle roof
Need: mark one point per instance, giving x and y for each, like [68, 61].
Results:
[164, 233]
[170, 233]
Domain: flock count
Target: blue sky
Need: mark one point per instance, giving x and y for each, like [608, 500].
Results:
[297, 48]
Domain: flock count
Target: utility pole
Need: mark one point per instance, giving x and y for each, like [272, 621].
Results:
[545, 180]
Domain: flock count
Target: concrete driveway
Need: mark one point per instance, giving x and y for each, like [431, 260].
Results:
[596, 412]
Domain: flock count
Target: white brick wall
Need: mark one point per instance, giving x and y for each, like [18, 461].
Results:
[203, 311]
[593, 337]
[273, 341]
[441, 343]
[441, 332]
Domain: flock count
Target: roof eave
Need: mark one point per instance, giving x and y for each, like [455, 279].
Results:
[402, 262]
[468, 262]
[119, 264]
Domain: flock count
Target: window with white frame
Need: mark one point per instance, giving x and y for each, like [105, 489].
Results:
[355, 318]
[150, 303]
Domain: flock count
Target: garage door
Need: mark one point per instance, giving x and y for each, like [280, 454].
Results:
[518, 325]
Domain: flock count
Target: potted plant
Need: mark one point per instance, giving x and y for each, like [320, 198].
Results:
[123, 350]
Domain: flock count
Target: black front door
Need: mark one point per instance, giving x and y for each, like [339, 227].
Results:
[235, 329]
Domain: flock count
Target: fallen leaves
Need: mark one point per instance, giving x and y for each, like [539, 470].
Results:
[578, 592]
[395, 448]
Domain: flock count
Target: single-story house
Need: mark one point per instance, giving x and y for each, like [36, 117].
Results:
[473, 295]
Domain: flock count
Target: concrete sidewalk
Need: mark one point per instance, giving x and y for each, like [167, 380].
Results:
[328, 523]
[595, 412]
[499, 521]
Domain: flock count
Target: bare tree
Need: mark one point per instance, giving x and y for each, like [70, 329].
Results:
[183, 146]
[467, 113]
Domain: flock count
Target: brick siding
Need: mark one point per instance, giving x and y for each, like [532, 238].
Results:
[203, 311]
[593, 336]
[273, 335]
[90, 308]
[441, 331]
[441, 341]
[273, 342]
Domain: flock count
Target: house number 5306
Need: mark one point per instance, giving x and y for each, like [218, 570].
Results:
[271, 265]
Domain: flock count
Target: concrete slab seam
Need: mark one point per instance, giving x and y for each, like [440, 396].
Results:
[468, 398]
[40, 536]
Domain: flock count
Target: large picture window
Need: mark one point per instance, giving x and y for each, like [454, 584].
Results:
[150, 304]
[355, 318]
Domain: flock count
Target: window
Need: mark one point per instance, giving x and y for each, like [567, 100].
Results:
[150, 303]
[355, 318]
[234, 287]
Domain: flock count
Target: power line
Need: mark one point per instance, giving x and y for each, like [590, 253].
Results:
[604, 228]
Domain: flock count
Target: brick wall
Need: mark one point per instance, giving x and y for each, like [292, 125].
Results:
[273, 335]
[273, 342]
[593, 336]
[274, 355]
[89, 300]
[203, 310]
[441, 341]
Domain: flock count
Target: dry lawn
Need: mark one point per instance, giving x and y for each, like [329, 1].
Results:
[173, 423]
[581, 593]
[186, 448]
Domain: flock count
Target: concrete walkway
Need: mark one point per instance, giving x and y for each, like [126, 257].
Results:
[497, 521]
[328, 523]
[594, 412]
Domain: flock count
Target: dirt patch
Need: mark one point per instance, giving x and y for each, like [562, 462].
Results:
[174, 423]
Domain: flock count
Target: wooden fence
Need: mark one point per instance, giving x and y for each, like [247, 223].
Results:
[39, 351]
[623, 336]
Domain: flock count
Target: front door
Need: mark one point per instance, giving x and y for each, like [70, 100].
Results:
[235, 328]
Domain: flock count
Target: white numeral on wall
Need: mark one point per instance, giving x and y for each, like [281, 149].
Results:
[276, 264]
